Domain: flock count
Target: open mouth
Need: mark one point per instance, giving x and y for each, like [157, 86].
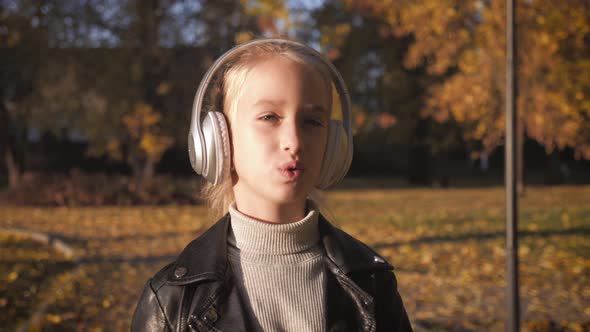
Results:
[292, 170]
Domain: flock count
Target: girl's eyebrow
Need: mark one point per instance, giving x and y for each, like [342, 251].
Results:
[315, 108]
[277, 103]
[270, 102]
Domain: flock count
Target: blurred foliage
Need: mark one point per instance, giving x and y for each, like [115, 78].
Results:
[148, 144]
[449, 260]
[117, 77]
[83, 189]
[18, 70]
[272, 16]
[426, 75]
[387, 96]
[464, 44]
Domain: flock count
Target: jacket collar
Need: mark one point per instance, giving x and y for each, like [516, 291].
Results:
[348, 253]
[205, 258]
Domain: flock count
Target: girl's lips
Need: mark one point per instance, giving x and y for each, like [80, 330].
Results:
[292, 175]
[291, 170]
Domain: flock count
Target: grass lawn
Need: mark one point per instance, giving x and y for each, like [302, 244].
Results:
[447, 247]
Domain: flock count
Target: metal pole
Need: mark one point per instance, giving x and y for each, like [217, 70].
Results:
[513, 317]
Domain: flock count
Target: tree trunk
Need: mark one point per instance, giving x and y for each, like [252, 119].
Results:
[148, 170]
[136, 169]
[14, 170]
[143, 171]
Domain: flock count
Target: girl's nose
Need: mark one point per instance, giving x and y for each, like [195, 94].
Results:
[291, 139]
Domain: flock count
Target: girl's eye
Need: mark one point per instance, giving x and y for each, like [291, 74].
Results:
[268, 117]
[314, 122]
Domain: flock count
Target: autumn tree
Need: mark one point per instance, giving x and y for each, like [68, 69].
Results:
[134, 71]
[464, 42]
[22, 46]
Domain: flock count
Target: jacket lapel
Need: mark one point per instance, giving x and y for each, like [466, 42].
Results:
[350, 308]
[219, 306]
[205, 258]
[346, 252]
[222, 310]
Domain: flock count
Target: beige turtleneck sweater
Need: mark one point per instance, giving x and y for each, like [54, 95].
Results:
[280, 270]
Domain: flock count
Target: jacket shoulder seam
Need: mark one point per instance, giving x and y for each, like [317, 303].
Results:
[168, 324]
[161, 277]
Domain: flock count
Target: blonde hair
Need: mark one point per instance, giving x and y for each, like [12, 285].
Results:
[226, 92]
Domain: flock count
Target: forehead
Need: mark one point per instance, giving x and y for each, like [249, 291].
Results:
[280, 79]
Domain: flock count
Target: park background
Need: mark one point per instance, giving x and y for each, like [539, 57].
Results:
[96, 191]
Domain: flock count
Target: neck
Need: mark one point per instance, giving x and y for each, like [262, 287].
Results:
[270, 212]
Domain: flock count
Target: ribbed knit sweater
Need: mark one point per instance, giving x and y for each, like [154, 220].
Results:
[280, 271]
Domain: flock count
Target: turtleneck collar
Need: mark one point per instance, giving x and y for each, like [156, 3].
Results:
[250, 235]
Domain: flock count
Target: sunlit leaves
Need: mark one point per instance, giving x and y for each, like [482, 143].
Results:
[142, 129]
[272, 16]
[464, 42]
[332, 37]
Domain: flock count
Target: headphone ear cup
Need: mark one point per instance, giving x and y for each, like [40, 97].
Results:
[216, 147]
[195, 152]
[335, 156]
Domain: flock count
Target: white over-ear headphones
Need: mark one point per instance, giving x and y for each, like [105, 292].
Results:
[208, 139]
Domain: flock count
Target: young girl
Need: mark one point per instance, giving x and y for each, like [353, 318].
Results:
[262, 134]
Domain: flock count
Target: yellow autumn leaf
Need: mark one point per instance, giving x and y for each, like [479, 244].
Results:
[52, 318]
[12, 276]
[243, 36]
[163, 88]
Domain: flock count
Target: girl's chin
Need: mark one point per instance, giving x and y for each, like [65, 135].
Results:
[278, 193]
[289, 198]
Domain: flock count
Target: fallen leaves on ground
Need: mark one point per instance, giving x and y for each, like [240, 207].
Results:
[26, 269]
[447, 247]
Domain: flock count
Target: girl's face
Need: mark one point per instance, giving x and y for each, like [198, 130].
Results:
[279, 132]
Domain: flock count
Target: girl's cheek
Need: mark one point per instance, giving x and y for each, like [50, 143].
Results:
[262, 130]
[319, 135]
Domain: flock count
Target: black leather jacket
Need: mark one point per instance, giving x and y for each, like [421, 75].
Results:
[198, 292]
